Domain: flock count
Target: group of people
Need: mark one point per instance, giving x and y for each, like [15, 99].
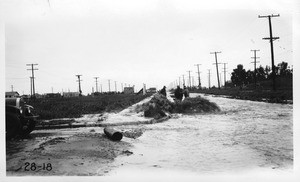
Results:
[179, 93]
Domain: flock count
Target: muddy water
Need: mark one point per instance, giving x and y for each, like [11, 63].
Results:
[245, 136]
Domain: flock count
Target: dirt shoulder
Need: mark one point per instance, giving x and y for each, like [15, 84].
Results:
[85, 152]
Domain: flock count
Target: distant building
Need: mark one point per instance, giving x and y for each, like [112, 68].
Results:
[11, 94]
[151, 90]
[70, 94]
[38, 96]
[128, 90]
[52, 95]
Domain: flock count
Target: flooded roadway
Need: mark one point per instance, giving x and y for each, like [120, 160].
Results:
[244, 136]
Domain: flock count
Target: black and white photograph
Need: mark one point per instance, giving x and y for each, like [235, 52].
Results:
[149, 90]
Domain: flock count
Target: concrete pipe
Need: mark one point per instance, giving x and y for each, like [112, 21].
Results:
[113, 134]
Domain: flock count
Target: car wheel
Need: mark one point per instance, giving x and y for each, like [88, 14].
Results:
[30, 127]
[13, 125]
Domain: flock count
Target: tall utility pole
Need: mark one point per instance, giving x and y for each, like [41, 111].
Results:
[271, 38]
[79, 84]
[217, 67]
[183, 80]
[199, 85]
[208, 78]
[225, 74]
[190, 78]
[255, 65]
[30, 86]
[108, 85]
[32, 78]
[116, 86]
[96, 83]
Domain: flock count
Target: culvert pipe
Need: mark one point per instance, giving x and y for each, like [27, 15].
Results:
[113, 134]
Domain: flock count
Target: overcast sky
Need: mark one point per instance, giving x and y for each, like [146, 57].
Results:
[136, 42]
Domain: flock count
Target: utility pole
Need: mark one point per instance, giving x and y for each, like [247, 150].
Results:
[116, 86]
[30, 86]
[198, 75]
[217, 67]
[255, 66]
[79, 84]
[122, 87]
[221, 79]
[32, 78]
[190, 78]
[208, 78]
[12, 88]
[271, 38]
[183, 80]
[108, 85]
[101, 88]
[96, 83]
[225, 74]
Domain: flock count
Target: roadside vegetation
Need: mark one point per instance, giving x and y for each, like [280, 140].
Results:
[75, 107]
[257, 86]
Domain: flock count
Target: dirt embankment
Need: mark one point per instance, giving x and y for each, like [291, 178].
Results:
[159, 105]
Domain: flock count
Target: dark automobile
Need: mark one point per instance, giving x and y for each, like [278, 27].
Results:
[20, 118]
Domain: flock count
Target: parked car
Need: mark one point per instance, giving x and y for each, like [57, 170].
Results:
[20, 118]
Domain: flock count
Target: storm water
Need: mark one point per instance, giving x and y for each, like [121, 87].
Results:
[244, 136]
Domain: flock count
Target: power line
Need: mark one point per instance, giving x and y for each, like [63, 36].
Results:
[271, 38]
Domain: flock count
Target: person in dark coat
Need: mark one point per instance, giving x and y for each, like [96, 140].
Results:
[178, 93]
[163, 91]
[186, 92]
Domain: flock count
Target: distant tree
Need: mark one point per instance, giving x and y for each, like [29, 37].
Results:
[238, 76]
[249, 77]
[260, 74]
[283, 69]
[268, 72]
